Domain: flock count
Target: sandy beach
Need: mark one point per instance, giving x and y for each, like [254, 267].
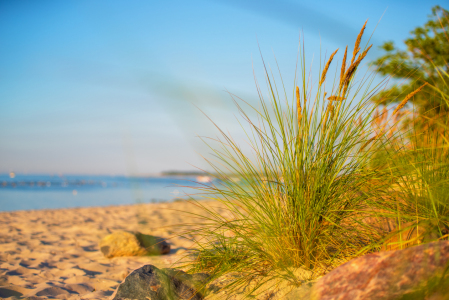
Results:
[54, 254]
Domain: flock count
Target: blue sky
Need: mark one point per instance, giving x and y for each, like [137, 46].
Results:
[112, 87]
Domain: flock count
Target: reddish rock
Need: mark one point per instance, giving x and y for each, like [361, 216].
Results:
[420, 272]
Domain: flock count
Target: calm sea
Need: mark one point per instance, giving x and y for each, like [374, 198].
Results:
[45, 191]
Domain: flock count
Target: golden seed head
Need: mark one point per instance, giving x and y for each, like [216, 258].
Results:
[404, 102]
[343, 65]
[357, 43]
[331, 110]
[298, 104]
[323, 75]
[335, 98]
[298, 99]
[364, 53]
[352, 68]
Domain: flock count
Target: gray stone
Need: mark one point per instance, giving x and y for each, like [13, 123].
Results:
[149, 282]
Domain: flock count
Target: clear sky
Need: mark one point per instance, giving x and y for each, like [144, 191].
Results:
[112, 87]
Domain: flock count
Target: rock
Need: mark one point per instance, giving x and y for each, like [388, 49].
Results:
[123, 243]
[153, 245]
[149, 282]
[419, 272]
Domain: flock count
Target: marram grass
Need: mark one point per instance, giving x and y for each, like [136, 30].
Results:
[305, 191]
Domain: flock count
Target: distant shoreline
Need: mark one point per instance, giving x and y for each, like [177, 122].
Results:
[27, 192]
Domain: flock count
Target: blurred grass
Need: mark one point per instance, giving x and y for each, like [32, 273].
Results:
[416, 162]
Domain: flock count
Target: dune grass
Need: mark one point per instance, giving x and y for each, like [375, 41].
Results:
[304, 191]
[313, 179]
[416, 162]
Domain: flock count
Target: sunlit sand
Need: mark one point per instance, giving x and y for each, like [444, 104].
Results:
[55, 253]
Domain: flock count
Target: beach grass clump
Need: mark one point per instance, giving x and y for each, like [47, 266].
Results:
[415, 158]
[416, 163]
[306, 188]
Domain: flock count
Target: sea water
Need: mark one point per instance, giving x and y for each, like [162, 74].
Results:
[24, 192]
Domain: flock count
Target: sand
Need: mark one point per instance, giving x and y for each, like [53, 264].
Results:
[54, 254]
